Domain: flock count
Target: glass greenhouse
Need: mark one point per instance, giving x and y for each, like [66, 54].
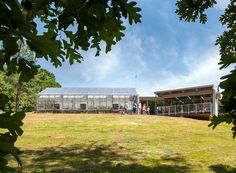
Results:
[85, 99]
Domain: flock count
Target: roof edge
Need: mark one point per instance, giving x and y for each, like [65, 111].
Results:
[185, 88]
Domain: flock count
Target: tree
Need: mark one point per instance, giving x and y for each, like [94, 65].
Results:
[43, 79]
[26, 100]
[13, 75]
[190, 10]
[70, 25]
[92, 22]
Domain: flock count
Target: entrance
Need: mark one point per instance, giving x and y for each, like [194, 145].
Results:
[149, 102]
[83, 106]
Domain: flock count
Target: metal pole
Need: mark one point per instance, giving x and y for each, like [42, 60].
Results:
[195, 108]
[74, 102]
[138, 105]
[188, 108]
[62, 104]
[202, 107]
[175, 109]
[155, 104]
[87, 103]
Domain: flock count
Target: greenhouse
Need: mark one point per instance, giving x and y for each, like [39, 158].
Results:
[86, 99]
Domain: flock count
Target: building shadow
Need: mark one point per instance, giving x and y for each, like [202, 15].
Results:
[98, 159]
[220, 168]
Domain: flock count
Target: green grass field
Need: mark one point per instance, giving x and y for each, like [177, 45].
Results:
[124, 144]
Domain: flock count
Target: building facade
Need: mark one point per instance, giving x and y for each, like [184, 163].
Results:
[199, 101]
[86, 99]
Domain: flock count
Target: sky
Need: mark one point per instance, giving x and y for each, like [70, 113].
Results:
[160, 53]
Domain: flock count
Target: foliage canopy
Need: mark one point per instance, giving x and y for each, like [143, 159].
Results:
[69, 27]
[27, 97]
[74, 25]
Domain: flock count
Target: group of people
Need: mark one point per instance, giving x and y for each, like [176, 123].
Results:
[145, 110]
[134, 108]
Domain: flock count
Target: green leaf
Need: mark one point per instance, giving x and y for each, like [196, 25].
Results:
[10, 45]
[190, 10]
[3, 101]
[65, 21]
[7, 147]
[12, 122]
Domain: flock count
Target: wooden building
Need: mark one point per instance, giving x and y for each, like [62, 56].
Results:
[199, 102]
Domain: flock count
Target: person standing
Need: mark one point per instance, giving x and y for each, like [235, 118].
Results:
[134, 107]
[139, 108]
[144, 109]
[148, 110]
[126, 107]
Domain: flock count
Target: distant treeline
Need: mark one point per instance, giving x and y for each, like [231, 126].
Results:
[23, 95]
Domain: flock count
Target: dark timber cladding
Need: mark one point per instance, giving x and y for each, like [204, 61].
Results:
[190, 91]
[190, 101]
[85, 99]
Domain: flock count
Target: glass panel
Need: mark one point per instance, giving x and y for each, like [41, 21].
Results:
[40, 104]
[185, 109]
[179, 109]
[96, 102]
[199, 108]
[84, 99]
[159, 109]
[192, 108]
[115, 99]
[122, 102]
[78, 101]
[172, 110]
[109, 102]
[90, 102]
[207, 107]
[103, 103]
[68, 102]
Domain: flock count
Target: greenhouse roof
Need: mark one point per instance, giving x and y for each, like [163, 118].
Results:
[89, 91]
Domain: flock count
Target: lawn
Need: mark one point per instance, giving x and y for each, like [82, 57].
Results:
[101, 143]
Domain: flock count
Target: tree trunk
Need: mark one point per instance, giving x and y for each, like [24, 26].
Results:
[18, 93]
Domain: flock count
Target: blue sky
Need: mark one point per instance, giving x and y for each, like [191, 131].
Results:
[160, 53]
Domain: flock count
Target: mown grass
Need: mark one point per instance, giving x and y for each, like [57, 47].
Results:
[124, 144]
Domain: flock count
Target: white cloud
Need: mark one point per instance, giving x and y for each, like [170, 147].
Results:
[202, 69]
[130, 57]
[222, 4]
[98, 67]
[114, 69]
[156, 51]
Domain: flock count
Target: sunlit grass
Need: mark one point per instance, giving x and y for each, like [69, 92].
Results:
[124, 143]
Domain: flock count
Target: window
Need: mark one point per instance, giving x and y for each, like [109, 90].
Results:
[68, 102]
[90, 102]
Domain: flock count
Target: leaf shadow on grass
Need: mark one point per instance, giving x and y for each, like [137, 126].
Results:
[220, 168]
[98, 159]
[6, 169]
